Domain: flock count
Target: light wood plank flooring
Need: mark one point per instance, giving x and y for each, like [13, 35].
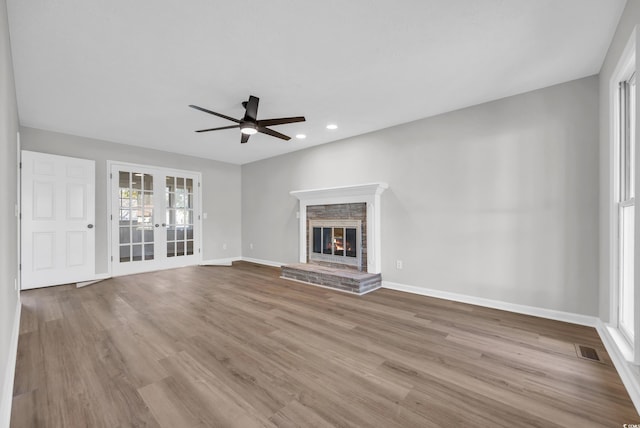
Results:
[240, 347]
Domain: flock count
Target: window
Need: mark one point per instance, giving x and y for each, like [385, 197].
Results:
[624, 322]
[626, 205]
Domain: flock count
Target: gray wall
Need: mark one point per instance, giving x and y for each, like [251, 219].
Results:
[497, 201]
[630, 18]
[220, 186]
[8, 196]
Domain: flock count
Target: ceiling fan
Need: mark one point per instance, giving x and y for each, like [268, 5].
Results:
[250, 124]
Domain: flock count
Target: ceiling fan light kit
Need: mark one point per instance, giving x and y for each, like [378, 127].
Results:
[250, 124]
[248, 129]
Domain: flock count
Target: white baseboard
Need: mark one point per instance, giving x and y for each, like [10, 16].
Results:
[569, 317]
[220, 262]
[263, 262]
[98, 278]
[6, 399]
[629, 373]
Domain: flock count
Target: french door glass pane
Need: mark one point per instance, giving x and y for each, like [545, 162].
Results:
[136, 238]
[626, 271]
[179, 215]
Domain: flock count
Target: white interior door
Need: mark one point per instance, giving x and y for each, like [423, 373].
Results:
[155, 219]
[58, 214]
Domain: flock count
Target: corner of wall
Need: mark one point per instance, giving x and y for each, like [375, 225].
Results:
[6, 399]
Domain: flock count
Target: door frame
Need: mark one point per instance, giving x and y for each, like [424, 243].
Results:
[110, 213]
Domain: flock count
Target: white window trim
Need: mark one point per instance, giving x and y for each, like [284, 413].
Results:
[624, 69]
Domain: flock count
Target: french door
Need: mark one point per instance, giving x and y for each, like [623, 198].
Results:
[155, 218]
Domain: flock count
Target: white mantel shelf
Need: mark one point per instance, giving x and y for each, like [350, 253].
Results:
[368, 189]
[368, 193]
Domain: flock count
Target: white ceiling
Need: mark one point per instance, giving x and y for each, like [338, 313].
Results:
[125, 71]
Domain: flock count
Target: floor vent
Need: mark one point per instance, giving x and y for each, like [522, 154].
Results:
[587, 353]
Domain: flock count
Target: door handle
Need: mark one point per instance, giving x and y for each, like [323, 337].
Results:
[90, 226]
[164, 225]
[157, 225]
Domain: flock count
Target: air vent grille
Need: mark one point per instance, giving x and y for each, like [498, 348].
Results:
[587, 353]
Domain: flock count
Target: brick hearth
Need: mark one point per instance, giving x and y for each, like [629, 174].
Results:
[340, 279]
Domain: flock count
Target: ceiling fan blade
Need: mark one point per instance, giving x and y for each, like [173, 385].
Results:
[214, 113]
[218, 129]
[280, 121]
[244, 138]
[273, 133]
[252, 109]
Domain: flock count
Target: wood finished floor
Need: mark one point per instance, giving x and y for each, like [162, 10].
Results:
[240, 347]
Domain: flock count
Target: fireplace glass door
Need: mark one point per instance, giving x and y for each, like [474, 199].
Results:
[335, 241]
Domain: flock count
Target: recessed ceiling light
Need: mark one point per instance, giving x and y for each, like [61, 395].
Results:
[332, 126]
[301, 136]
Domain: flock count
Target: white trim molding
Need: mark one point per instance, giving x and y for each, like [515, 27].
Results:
[6, 399]
[263, 262]
[220, 262]
[368, 193]
[587, 320]
[98, 278]
[626, 66]
[629, 373]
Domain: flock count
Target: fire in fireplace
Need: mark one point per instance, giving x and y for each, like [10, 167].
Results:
[335, 241]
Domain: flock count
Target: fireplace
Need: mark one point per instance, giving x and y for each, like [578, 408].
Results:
[339, 238]
[336, 235]
[331, 208]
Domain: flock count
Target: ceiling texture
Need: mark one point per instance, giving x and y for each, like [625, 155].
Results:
[126, 71]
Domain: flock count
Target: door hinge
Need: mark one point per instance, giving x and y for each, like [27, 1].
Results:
[20, 266]
[20, 164]
[198, 250]
[198, 184]
[198, 216]
[111, 216]
[110, 175]
[111, 258]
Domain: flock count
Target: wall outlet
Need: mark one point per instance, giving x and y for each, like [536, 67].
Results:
[251, 246]
[224, 246]
[398, 264]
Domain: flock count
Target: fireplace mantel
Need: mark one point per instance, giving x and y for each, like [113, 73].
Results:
[368, 193]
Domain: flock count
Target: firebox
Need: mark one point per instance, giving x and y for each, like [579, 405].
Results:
[335, 242]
